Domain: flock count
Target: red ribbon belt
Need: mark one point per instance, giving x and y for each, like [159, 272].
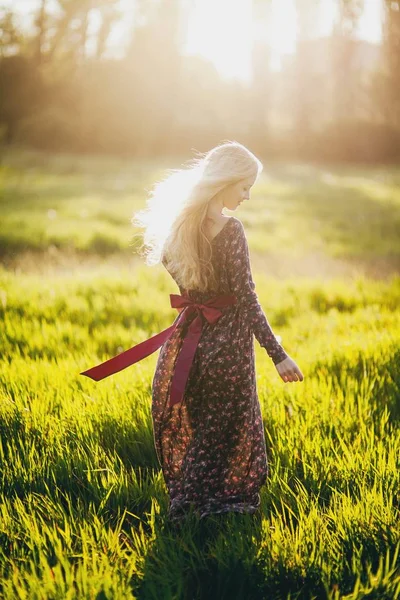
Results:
[209, 310]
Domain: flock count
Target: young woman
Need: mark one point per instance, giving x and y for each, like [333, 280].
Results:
[208, 429]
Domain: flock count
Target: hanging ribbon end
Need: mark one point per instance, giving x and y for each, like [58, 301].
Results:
[90, 375]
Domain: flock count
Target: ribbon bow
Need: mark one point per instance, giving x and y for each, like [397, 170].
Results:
[209, 310]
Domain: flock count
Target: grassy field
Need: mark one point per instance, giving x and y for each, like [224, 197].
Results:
[82, 499]
[299, 213]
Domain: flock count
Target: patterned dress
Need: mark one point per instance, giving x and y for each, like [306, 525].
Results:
[211, 445]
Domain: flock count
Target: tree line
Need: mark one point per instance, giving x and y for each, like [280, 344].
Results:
[335, 98]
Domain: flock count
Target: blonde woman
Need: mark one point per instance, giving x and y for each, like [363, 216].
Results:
[208, 429]
[210, 443]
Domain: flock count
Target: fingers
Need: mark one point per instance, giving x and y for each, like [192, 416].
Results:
[287, 377]
[294, 375]
[289, 371]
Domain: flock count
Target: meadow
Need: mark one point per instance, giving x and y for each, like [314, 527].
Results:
[82, 498]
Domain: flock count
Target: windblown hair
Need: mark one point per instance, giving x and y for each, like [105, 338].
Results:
[177, 209]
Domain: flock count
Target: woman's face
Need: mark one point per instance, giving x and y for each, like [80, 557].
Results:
[237, 193]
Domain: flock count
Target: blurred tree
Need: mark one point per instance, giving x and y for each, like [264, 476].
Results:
[304, 73]
[40, 22]
[21, 88]
[261, 89]
[20, 82]
[70, 28]
[154, 61]
[344, 50]
[10, 37]
[109, 15]
[391, 45]
[69, 9]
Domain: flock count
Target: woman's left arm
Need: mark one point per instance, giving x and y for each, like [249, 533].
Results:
[243, 286]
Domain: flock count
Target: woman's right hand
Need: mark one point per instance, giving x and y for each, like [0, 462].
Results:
[289, 371]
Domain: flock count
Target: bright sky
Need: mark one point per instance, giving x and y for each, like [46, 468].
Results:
[222, 30]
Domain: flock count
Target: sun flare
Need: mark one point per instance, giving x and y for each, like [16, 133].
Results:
[224, 32]
[221, 32]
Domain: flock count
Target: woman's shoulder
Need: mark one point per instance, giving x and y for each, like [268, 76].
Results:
[237, 238]
[232, 224]
[237, 223]
[235, 234]
[235, 226]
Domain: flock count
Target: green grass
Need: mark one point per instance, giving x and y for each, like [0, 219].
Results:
[82, 499]
[79, 465]
[85, 204]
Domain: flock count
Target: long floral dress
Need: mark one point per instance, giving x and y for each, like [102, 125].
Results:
[211, 445]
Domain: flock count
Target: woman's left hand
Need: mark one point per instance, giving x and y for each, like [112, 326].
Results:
[289, 371]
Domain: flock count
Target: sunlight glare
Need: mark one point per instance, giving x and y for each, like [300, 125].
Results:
[220, 30]
[223, 31]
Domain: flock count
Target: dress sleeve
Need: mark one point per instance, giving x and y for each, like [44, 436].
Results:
[243, 286]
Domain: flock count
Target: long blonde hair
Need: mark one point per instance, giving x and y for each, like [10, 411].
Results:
[177, 209]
